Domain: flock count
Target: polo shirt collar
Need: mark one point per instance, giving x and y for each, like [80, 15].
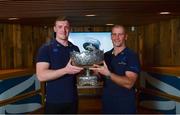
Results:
[121, 53]
[59, 44]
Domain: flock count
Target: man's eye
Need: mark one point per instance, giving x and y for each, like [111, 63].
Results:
[119, 34]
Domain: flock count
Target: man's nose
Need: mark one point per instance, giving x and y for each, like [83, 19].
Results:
[63, 29]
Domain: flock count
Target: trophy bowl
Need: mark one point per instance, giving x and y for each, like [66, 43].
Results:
[87, 58]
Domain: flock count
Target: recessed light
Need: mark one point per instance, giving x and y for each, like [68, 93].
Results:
[13, 18]
[109, 24]
[164, 13]
[132, 28]
[90, 15]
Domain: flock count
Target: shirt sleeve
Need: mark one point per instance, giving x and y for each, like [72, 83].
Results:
[133, 63]
[43, 54]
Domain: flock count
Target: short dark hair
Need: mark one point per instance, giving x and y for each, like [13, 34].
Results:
[61, 18]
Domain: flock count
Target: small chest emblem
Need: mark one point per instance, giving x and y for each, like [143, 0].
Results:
[122, 63]
[55, 50]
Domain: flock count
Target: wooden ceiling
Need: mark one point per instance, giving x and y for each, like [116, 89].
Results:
[127, 12]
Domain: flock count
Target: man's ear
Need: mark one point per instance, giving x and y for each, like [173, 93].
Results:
[126, 37]
[54, 29]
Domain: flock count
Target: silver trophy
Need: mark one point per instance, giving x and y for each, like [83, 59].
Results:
[91, 55]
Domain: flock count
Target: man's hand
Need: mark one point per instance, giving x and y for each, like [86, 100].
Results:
[70, 69]
[101, 69]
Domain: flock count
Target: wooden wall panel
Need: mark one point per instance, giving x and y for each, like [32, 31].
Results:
[91, 29]
[40, 36]
[175, 26]
[20, 43]
[10, 46]
[6, 42]
[149, 43]
[165, 43]
[161, 42]
[157, 43]
[1, 44]
[17, 46]
[140, 32]
[132, 41]
[26, 37]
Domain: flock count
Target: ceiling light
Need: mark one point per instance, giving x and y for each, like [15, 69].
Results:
[109, 24]
[13, 18]
[90, 15]
[132, 28]
[164, 13]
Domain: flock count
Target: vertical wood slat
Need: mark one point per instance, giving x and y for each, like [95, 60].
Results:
[6, 50]
[132, 41]
[1, 45]
[165, 43]
[17, 46]
[26, 35]
[148, 44]
[175, 23]
[140, 32]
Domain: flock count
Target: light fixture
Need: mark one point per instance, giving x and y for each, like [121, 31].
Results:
[90, 15]
[13, 18]
[110, 24]
[164, 13]
[132, 28]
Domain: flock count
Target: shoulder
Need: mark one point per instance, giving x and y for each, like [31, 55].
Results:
[73, 46]
[46, 45]
[108, 52]
[130, 52]
[108, 55]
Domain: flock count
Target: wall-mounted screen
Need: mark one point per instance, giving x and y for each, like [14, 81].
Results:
[79, 38]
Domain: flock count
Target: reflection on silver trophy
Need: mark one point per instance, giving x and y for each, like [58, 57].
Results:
[91, 55]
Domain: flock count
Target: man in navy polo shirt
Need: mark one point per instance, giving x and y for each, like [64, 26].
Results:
[54, 67]
[120, 70]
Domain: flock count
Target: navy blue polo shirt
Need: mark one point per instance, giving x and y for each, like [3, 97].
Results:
[63, 89]
[117, 99]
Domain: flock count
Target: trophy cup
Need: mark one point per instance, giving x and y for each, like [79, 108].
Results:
[86, 59]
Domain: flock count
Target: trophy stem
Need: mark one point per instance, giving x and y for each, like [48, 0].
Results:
[87, 72]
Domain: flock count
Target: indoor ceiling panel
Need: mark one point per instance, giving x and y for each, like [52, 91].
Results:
[127, 12]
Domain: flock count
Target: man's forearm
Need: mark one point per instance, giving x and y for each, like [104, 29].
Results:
[123, 81]
[46, 75]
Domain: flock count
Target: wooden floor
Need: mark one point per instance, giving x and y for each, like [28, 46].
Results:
[92, 105]
[89, 104]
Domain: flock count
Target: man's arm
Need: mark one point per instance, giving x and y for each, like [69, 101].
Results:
[126, 81]
[45, 74]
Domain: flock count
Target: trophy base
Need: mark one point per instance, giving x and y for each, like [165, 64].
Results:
[88, 81]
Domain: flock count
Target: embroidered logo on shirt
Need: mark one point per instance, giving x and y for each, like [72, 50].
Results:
[55, 50]
[122, 63]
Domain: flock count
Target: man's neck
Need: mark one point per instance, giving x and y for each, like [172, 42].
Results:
[63, 42]
[117, 50]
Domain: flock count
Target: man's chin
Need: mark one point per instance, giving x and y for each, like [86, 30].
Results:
[117, 45]
[63, 37]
